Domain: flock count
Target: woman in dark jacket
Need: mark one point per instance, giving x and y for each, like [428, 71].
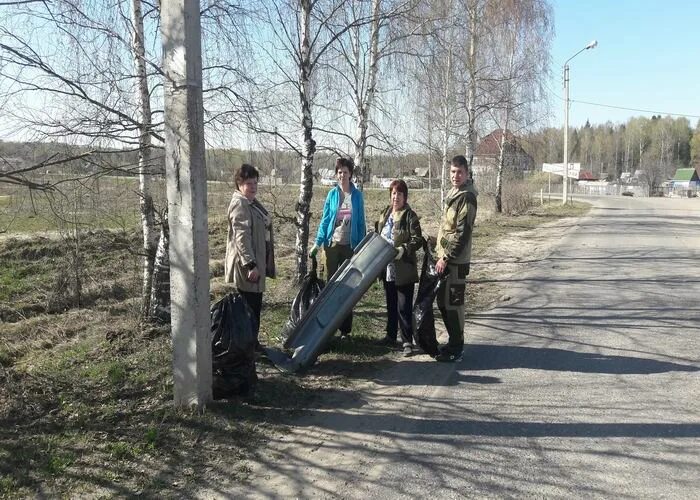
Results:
[400, 225]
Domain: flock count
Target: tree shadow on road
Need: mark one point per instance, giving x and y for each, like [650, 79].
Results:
[503, 357]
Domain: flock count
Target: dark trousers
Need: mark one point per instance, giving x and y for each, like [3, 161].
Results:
[335, 256]
[254, 301]
[399, 308]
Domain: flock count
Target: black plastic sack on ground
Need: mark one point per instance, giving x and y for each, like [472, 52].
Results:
[232, 348]
[423, 318]
[310, 288]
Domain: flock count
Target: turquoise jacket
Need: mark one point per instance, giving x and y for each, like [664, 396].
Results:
[330, 211]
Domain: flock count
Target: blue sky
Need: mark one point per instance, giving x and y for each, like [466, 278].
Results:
[648, 57]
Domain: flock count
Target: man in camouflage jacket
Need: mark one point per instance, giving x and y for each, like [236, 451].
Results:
[454, 248]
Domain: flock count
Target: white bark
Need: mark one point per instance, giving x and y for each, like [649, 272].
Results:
[471, 91]
[150, 236]
[160, 290]
[501, 164]
[446, 106]
[366, 98]
[308, 146]
[430, 158]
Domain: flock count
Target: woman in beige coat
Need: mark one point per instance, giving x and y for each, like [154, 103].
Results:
[249, 244]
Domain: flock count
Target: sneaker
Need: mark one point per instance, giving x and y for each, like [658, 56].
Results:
[386, 342]
[407, 350]
[449, 356]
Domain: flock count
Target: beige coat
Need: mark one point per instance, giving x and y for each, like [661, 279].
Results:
[245, 244]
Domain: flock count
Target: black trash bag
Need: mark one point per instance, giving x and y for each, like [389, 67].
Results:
[309, 290]
[233, 348]
[423, 318]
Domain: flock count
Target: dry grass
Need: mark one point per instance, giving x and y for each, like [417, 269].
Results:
[85, 392]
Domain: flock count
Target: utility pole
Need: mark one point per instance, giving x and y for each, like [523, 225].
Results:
[565, 180]
[186, 182]
[591, 45]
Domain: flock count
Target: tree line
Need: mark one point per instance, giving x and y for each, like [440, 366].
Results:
[655, 146]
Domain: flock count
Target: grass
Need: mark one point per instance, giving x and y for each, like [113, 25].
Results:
[85, 392]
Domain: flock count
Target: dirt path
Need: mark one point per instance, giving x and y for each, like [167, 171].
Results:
[349, 434]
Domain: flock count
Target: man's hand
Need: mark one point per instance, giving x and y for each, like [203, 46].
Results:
[440, 266]
[253, 275]
[313, 251]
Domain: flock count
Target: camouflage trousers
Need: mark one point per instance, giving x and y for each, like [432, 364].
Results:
[450, 300]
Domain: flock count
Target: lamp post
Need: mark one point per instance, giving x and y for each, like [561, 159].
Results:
[565, 182]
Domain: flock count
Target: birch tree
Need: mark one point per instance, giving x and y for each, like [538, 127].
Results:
[439, 74]
[100, 86]
[365, 62]
[306, 43]
[89, 88]
[476, 99]
[364, 94]
[146, 169]
[522, 55]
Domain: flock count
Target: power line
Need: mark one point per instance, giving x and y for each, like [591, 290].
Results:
[555, 94]
[634, 109]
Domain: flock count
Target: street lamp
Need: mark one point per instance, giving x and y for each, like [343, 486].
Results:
[565, 182]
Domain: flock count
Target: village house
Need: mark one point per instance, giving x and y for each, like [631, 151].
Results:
[515, 159]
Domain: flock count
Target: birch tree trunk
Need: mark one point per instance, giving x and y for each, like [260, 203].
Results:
[150, 236]
[509, 82]
[501, 164]
[446, 124]
[364, 104]
[160, 290]
[471, 93]
[430, 158]
[308, 146]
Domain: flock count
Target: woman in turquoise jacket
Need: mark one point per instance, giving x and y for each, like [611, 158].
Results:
[342, 225]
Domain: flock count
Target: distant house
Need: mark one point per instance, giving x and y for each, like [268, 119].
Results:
[686, 178]
[585, 175]
[487, 153]
[421, 172]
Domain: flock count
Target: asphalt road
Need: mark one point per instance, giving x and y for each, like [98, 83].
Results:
[584, 385]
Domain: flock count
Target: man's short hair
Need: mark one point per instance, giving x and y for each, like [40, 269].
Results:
[460, 161]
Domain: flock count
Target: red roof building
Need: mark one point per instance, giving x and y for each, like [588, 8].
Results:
[487, 153]
[585, 175]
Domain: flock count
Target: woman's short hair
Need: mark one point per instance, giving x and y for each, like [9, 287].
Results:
[245, 172]
[400, 186]
[344, 162]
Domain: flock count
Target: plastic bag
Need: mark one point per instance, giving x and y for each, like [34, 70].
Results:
[310, 288]
[423, 318]
[233, 348]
